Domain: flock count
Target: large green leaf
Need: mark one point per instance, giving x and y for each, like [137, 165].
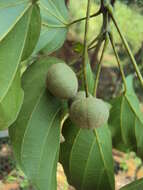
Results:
[136, 185]
[54, 25]
[35, 136]
[11, 104]
[126, 121]
[18, 31]
[87, 157]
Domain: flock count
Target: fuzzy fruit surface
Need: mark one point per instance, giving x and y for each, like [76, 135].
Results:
[62, 81]
[80, 94]
[89, 113]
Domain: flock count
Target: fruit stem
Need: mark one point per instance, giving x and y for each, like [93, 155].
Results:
[100, 65]
[104, 31]
[91, 44]
[93, 47]
[85, 47]
[84, 18]
[110, 10]
[118, 60]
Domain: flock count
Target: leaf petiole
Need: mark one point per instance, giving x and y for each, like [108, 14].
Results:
[84, 18]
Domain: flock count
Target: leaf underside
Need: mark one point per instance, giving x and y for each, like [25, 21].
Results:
[35, 136]
[15, 35]
[87, 158]
[54, 25]
[126, 121]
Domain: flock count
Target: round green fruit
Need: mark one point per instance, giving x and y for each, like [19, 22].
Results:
[62, 81]
[89, 113]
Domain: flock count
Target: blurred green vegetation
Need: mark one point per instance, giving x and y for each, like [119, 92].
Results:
[130, 20]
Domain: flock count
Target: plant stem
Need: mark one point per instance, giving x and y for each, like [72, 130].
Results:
[84, 18]
[101, 35]
[110, 10]
[100, 65]
[118, 60]
[95, 39]
[85, 49]
[93, 47]
[104, 30]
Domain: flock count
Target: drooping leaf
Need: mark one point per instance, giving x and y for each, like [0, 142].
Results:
[126, 121]
[87, 157]
[35, 136]
[11, 104]
[54, 25]
[15, 35]
[136, 185]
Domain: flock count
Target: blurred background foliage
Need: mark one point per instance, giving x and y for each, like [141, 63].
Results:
[130, 19]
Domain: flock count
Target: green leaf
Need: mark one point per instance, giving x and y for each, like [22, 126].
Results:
[14, 39]
[10, 12]
[11, 104]
[54, 25]
[126, 121]
[35, 136]
[87, 157]
[90, 78]
[33, 33]
[136, 185]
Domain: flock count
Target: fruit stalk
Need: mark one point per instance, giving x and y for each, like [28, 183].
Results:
[85, 49]
[110, 10]
[118, 60]
[100, 65]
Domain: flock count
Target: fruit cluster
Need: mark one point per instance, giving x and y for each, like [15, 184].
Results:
[85, 112]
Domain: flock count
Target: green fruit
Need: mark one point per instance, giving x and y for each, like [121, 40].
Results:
[89, 113]
[62, 81]
[79, 95]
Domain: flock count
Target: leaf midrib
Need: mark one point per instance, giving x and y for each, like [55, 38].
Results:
[84, 174]
[53, 26]
[74, 142]
[102, 157]
[28, 120]
[45, 140]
